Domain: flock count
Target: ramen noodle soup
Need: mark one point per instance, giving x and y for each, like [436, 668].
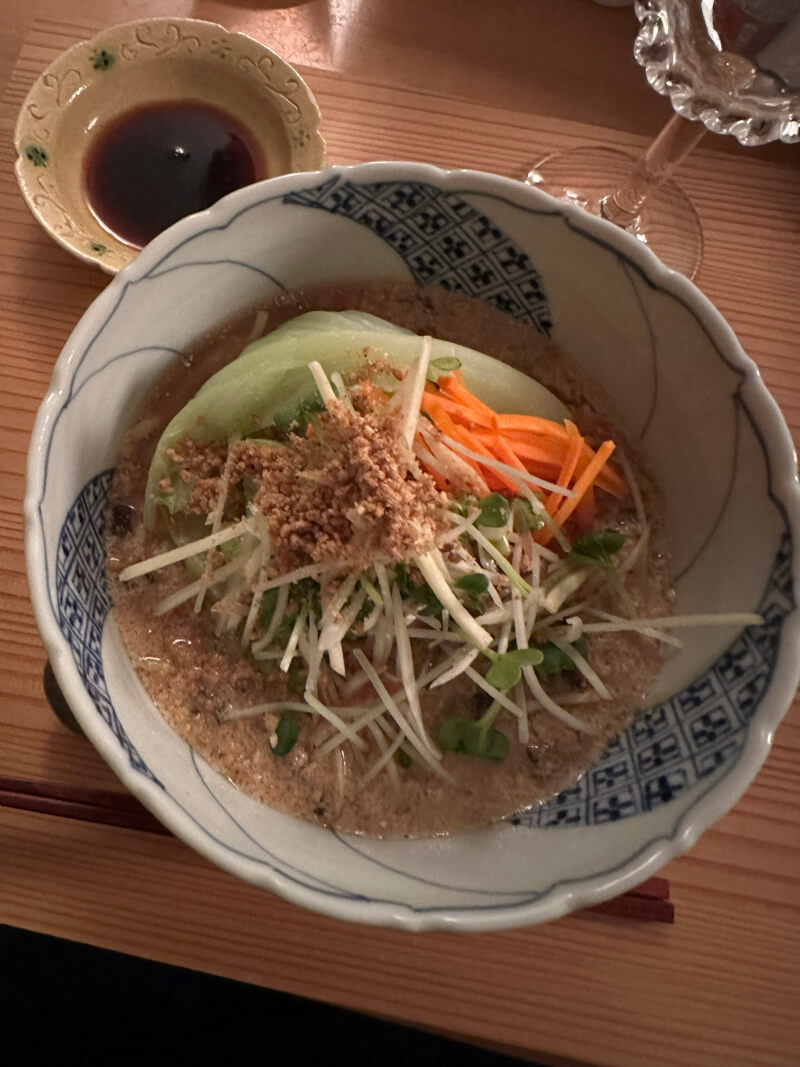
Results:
[383, 557]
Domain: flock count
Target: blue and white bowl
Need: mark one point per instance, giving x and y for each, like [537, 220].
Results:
[691, 398]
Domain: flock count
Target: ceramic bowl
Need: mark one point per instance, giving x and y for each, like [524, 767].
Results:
[690, 397]
[149, 62]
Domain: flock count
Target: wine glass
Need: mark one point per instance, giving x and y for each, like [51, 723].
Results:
[722, 71]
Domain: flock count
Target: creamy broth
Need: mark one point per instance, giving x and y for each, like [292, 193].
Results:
[195, 677]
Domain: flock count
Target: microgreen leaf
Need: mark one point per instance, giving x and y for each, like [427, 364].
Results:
[506, 668]
[431, 604]
[268, 602]
[495, 746]
[166, 498]
[366, 608]
[444, 364]
[306, 593]
[463, 505]
[296, 419]
[402, 759]
[474, 584]
[296, 680]
[495, 511]
[230, 548]
[403, 580]
[421, 593]
[597, 548]
[176, 497]
[458, 734]
[525, 518]
[286, 734]
[554, 661]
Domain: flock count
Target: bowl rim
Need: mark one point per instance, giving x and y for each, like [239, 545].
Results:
[560, 898]
[95, 42]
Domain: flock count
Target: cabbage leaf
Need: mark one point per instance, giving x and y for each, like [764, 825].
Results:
[271, 378]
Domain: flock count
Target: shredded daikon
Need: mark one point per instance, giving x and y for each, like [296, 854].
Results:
[391, 706]
[494, 693]
[521, 477]
[334, 720]
[294, 638]
[322, 383]
[182, 552]
[415, 385]
[588, 672]
[436, 580]
[535, 686]
[278, 615]
[457, 669]
[676, 622]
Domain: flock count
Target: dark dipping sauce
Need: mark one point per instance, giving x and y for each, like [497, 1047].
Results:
[157, 163]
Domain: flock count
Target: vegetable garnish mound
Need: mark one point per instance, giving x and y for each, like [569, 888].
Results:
[378, 514]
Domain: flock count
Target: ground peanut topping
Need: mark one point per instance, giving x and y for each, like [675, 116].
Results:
[348, 491]
[344, 493]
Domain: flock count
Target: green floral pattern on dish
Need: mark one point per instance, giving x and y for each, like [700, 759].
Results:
[102, 59]
[35, 154]
[220, 48]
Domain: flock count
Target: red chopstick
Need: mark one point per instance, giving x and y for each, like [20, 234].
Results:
[77, 802]
[648, 902]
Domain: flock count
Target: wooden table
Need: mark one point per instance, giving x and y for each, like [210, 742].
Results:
[456, 83]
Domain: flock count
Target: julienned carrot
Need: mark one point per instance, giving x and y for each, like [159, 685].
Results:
[538, 449]
[494, 479]
[608, 479]
[457, 410]
[433, 407]
[491, 475]
[580, 488]
[584, 512]
[504, 452]
[453, 386]
[531, 424]
[541, 452]
[567, 473]
[529, 443]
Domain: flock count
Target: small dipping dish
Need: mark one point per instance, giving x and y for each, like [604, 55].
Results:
[153, 120]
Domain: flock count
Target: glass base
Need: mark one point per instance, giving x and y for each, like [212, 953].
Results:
[668, 223]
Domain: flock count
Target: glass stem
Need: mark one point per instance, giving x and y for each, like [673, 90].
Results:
[653, 168]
